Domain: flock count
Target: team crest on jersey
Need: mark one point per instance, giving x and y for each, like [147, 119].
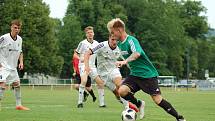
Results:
[1, 40]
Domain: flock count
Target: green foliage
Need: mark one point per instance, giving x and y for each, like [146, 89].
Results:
[69, 36]
[39, 43]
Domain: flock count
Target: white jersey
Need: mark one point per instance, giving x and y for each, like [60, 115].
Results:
[106, 58]
[82, 48]
[10, 51]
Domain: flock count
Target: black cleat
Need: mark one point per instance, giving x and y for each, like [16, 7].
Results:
[94, 99]
[103, 106]
[80, 105]
[181, 118]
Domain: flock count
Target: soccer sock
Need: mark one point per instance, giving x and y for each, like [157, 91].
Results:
[81, 94]
[168, 108]
[124, 102]
[130, 97]
[92, 93]
[101, 97]
[17, 93]
[85, 93]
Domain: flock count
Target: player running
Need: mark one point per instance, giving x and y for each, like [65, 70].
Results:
[143, 74]
[107, 55]
[77, 79]
[83, 47]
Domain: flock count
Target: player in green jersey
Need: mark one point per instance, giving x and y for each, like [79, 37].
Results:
[143, 74]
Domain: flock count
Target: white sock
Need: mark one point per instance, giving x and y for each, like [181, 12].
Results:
[101, 97]
[81, 94]
[125, 103]
[17, 93]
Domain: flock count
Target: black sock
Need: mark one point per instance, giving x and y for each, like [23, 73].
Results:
[85, 93]
[168, 108]
[92, 93]
[130, 97]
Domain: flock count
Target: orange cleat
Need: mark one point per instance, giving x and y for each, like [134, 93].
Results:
[132, 106]
[20, 107]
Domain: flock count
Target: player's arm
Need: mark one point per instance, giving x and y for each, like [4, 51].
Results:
[132, 57]
[86, 60]
[21, 65]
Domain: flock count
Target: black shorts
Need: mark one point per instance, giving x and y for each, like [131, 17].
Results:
[77, 80]
[148, 85]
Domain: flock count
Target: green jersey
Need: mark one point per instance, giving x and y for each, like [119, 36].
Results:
[141, 67]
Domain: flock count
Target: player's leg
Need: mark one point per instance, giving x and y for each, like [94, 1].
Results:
[2, 89]
[84, 76]
[4, 73]
[90, 89]
[155, 93]
[76, 84]
[100, 86]
[127, 90]
[17, 93]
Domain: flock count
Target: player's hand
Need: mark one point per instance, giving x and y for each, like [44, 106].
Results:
[74, 74]
[121, 63]
[21, 66]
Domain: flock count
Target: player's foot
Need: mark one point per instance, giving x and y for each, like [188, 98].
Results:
[80, 105]
[132, 106]
[181, 118]
[20, 107]
[141, 109]
[94, 99]
[85, 97]
[102, 106]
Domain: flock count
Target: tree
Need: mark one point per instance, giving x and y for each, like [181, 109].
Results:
[39, 43]
[69, 37]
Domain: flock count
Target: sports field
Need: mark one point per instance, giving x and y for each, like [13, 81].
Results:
[60, 105]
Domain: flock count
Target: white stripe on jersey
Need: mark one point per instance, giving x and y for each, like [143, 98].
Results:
[133, 49]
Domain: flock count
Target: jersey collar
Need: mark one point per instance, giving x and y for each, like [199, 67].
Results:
[13, 38]
[125, 39]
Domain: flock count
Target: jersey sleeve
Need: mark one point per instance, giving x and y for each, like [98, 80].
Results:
[98, 48]
[1, 41]
[135, 45]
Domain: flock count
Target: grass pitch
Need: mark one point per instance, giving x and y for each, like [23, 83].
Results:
[60, 104]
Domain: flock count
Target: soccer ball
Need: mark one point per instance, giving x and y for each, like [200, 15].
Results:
[129, 115]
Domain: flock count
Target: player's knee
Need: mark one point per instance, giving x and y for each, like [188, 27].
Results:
[123, 91]
[157, 99]
[15, 84]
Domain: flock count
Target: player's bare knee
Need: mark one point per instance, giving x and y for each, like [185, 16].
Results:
[123, 91]
[16, 85]
[157, 99]
[2, 85]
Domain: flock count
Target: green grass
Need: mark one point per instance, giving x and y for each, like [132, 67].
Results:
[60, 105]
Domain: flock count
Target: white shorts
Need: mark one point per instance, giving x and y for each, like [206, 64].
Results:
[109, 78]
[8, 76]
[93, 72]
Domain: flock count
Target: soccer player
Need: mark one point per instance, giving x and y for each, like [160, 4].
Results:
[107, 55]
[10, 54]
[83, 47]
[77, 79]
[143, 74]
